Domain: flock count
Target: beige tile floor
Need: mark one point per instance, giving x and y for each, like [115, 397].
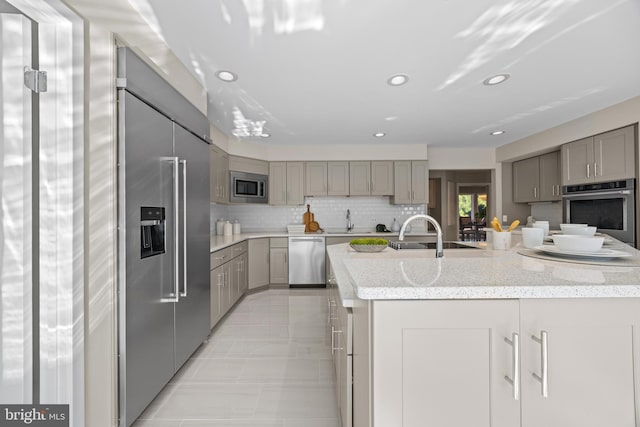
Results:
[267, 364]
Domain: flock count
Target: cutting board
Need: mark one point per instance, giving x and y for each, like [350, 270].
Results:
[307, 218]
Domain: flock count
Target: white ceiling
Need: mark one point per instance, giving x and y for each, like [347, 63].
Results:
[316, 70]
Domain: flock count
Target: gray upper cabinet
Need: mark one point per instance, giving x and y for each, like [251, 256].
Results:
[382, 178]
[419, 181]
[219, 175]
[604, 157]
[411, 182]
[360, 178]
[278, 183]
[286, 183]
[402, 181]
[537, 179]
[550, 176]
[315, 178]
[526, 178]
[338, 178]
[295, 183]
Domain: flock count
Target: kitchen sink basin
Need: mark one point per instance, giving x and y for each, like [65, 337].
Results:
[428, 245]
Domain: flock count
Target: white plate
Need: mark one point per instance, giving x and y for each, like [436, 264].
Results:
[602, 253]
[607, 240]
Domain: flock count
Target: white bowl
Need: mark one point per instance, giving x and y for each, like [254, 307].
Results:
[574, 225]
[579, 230]
[577, 243]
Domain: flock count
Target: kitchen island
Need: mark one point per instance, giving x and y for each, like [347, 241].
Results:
[484, 338]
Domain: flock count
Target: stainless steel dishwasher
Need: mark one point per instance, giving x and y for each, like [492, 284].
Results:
[307, 261]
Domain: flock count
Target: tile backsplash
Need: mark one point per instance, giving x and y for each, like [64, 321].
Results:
[551, 212]
[330, 213]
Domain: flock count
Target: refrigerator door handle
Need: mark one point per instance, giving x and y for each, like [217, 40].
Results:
[176, 223]
[184, 227]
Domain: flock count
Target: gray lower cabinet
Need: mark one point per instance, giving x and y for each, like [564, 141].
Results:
[258, 262]
[279, 260]
[228, 279]
[454, 363]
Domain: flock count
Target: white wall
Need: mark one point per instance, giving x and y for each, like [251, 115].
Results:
[264, 151]
[613, 117]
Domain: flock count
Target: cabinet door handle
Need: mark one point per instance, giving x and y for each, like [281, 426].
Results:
[333, 347]
[588, 170]
[543, 378]
[595, 169]
[535, 192]
[515, 365]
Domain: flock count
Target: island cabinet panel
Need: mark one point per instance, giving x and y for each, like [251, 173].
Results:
[593, 356]
[441, 363]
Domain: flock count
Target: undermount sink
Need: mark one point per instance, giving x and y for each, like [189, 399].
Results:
[428, 245]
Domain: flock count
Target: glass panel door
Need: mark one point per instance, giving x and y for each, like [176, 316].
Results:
[16, 196]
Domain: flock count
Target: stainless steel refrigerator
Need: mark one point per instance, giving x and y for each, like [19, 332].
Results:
[163, 164]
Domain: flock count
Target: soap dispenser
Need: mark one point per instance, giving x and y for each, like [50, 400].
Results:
[395, 227]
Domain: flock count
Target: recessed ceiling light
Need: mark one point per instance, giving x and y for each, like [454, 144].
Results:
[498, 132]
[226, 76]
[379, 134]
[265, 135]
[497, 79]
[398, 80]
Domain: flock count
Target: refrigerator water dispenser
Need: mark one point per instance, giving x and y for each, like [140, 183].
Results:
[152, 226]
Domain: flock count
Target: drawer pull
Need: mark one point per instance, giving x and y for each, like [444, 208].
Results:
[333, 348]
[514, 380]
[543, 378]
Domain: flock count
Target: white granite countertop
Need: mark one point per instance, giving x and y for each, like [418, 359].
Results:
[220, 242]
[474, 274]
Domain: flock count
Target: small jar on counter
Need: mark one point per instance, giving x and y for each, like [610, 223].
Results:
[220, 227]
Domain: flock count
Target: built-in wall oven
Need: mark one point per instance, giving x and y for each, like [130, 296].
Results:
[248, 187]
[610, 206]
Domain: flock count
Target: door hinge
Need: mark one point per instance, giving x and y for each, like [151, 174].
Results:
[35, 80]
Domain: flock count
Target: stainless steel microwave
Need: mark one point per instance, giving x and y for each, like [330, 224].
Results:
[248, 187]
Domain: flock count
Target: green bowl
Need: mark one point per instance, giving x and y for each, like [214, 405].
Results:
[369, 244]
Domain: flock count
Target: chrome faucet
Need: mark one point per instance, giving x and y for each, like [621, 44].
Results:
[432, 220]
[350, 225]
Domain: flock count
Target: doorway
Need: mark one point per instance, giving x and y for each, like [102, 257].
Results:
[472, 204]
